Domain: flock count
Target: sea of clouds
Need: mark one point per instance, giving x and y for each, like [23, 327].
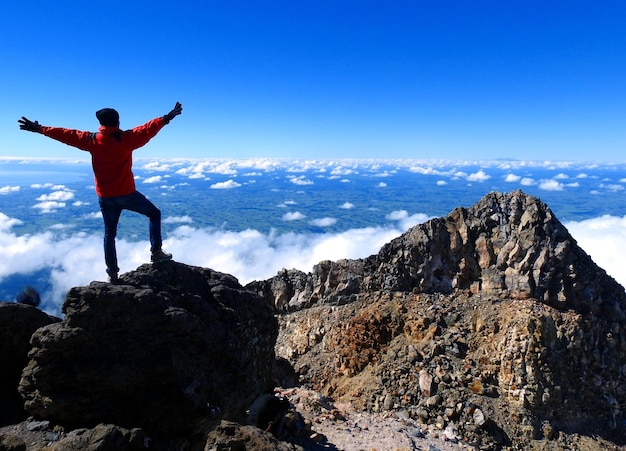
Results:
[77, 258]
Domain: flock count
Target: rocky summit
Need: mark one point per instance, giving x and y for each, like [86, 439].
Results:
[171, 349]
[489, 328]
[490, 325]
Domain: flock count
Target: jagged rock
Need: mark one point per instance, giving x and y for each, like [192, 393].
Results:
[103, 437]
[171, 349]
[17, 324]
[11, 443]
[235, 437]
[508, 245]
[491, 322]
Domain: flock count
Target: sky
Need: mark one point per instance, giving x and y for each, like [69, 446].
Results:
[341, 79]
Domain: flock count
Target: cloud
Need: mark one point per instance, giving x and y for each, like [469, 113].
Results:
[49, 206]
[64, 195]
[551, 185]
[154, 179]
[347, 206]
[612, 187]
[9, 189]
[323, 222]
[480, 176]
[381, 185]
[293, 216]
[511, 178]
[177, 220]
[527, 181]
[229, 184]
[299, 180]
[604, 239]
[397, 215]
[441, 183]
[404, 220]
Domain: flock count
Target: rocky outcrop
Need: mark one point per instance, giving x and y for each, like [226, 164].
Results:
[17, 324]
[490, 325]
[172, 349]
[507, 245]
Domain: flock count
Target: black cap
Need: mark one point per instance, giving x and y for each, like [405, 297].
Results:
[108, 117]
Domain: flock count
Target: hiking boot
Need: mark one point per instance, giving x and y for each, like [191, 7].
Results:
[160, 256]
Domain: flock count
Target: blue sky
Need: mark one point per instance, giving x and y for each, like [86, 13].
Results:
[342, 79]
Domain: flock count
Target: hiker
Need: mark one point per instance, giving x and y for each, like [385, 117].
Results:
[111, 152]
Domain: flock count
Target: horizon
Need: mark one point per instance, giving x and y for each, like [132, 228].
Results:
[252, 217]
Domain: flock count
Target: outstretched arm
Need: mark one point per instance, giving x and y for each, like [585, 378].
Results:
[29, 126]
[74, 138]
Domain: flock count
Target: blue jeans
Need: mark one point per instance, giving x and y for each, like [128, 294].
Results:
[111, 208]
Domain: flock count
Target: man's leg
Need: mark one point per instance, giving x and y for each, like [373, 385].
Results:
[138, 203]
[111, 216]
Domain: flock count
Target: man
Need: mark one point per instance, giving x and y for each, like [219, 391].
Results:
[111, 159]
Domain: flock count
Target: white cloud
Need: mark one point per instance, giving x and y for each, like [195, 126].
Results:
[612, 187]
[299, 180]
[381, 185]
[604, 239]
[49, 206]
[441, 183]
[397, 215]
[9, 189]
[511, 178]
[527, 181]
[551, 185]
[561, 176]
[347, 206]
[178, 219]
[229, 184]
[153, 179]
[324, 222]
[480, 176]
[57, 196]
[293, 216]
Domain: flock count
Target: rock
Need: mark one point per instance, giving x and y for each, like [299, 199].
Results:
[496, 305]
[103, 437]
[17, 324]
[11, 443]
[235, 437]
[171, 349]
[508, 245]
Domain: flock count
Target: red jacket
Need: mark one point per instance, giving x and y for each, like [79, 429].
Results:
[111, 152]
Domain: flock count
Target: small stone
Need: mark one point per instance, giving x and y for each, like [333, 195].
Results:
[479, 417]
[425, 381]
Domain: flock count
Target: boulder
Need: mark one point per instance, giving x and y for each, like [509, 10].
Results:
[171, 349]
[235, 437]
[17, 324]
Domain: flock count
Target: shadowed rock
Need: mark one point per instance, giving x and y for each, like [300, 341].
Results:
[171, 349]
[17, 324]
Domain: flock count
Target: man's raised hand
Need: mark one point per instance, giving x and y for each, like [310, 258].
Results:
[30, 126]
[178, 108]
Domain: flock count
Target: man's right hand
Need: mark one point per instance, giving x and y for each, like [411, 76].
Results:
[29, 125]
